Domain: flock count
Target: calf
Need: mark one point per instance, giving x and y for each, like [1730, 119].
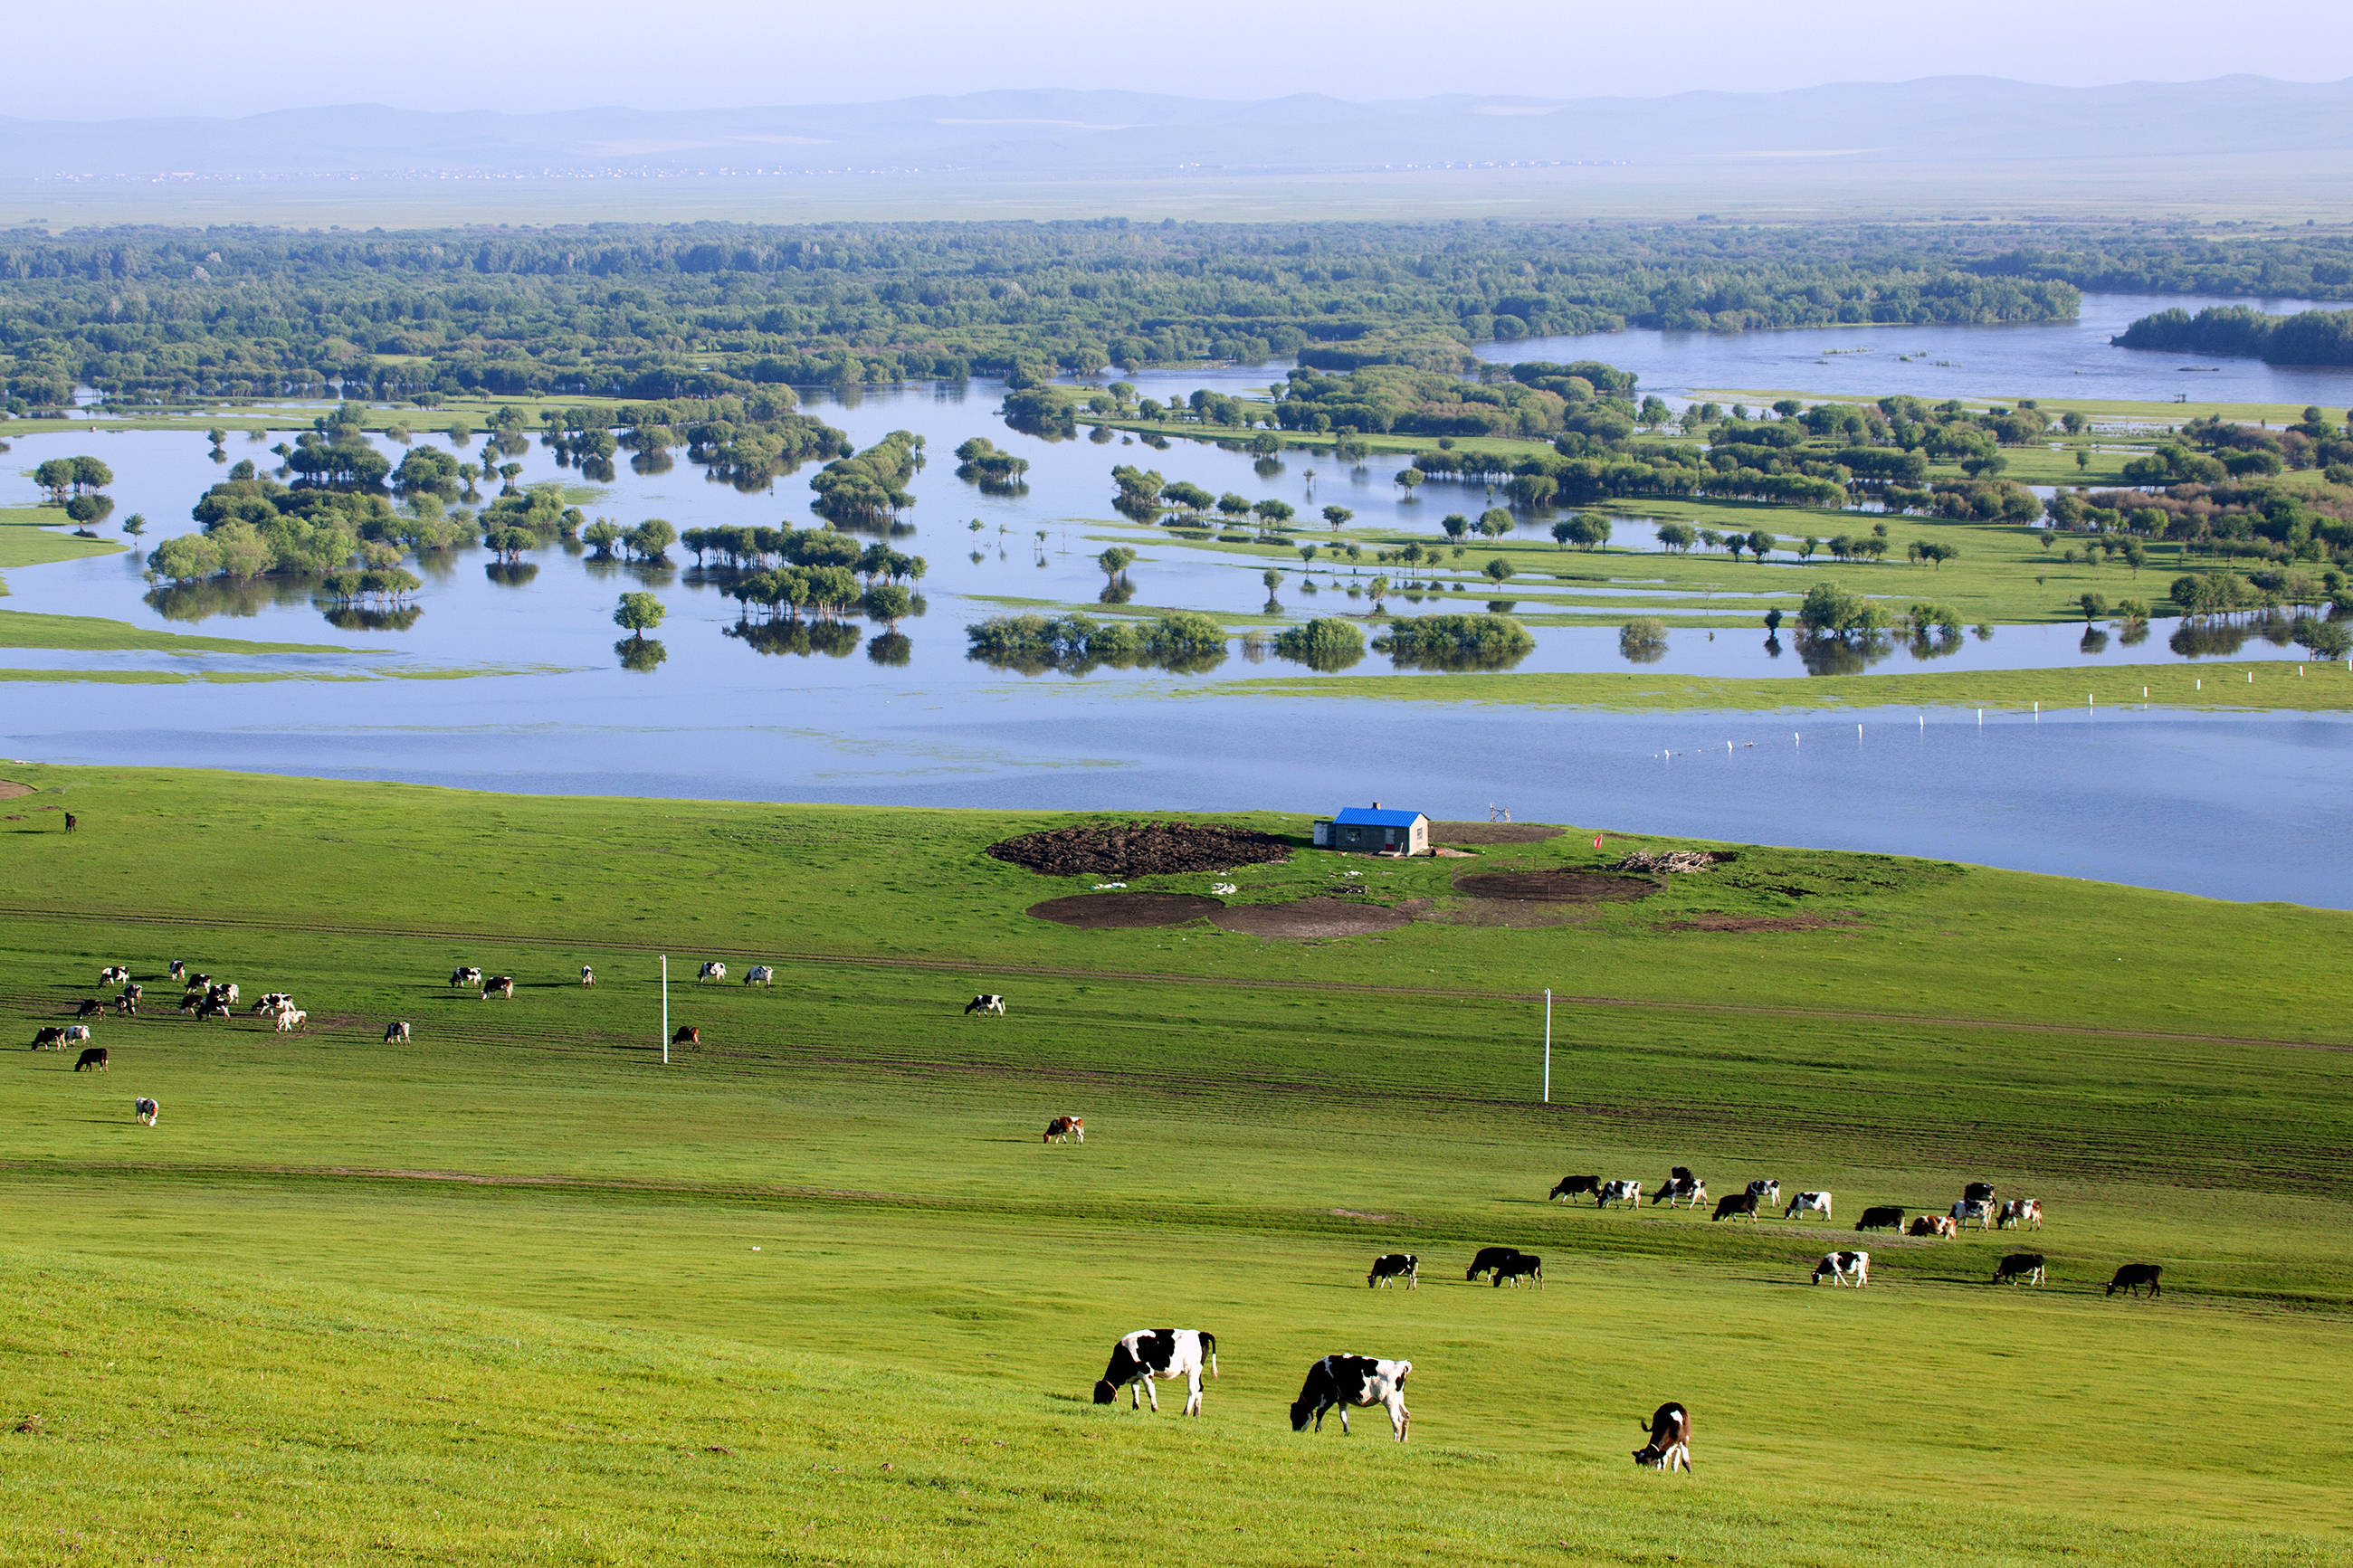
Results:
[397, 1033]
[1670, 1445]
[2133, 1276]
[2017, 1213]
[1337, 1381]
[94, 1058]
[1519, 1267]
[274, 1002]
[75, 1035]
[1627, 1193]
[1148, 1353]
[587, 975]
[1933, 1225]
[49, 1037]
[1066, 1129]
[90, 1008]
[1489, 1257]
[759, 975]
[2026, 1265]
[986, 1001]
[114, 974]
[1570, 1186]
[465, 976]
[1980, 1210]
[1732, 1206]
[1391, 1266]
[179, 970]
[290, 1019]
[712, 970]
[498, 986]
[1767, 1192]
[145, 1109]
[1881, 1216]
[687, 1035]
[1808, 1203]
[1844, 1269]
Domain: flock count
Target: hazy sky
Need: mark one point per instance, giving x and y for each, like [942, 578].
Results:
[138, 58]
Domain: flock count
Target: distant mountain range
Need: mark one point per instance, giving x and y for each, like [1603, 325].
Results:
[1944, 122]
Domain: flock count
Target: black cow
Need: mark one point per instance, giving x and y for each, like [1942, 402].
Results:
[1670, 1445]
[72, 822]
[687, 1035]
[1524, 1266]
[1732, 1206]
[1978, 1192]
[1489, 1257]
[2026, 1265]
[91, 1007]
[1886, 1216]
[1337, 1381]
[1391, 1266]
[2133, 1276]
[94, 1058]
[1570, 1186]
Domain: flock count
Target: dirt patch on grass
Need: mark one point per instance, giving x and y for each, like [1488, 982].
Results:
[10, 790]
[1514, 914]
[1141, 849]
[1492, 832]
[1555, 887]
[1125, 911]
[1302, 919]
[1754, 922]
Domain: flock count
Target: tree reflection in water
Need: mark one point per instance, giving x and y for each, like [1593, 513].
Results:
[836, 639]
[640, 654]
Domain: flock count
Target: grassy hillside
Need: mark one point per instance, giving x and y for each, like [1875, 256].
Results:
[499, 1294]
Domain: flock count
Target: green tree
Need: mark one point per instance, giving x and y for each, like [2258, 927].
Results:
[887, 603]
[1337, 516]
[1410, 477]
[1761, 543]
[1307, 555]
[1494, 522]
[2093, 605]
[1116, 559]
[1455, 524]
[638, 613]
[652, 537]
[602, 535]
[1498, 569]
[1564, 530]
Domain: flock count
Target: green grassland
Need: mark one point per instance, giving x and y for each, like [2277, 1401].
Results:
[494, 1296]
[34, 536]
[96, 633]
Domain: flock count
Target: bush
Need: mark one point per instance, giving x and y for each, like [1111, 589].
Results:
[1326, 643]
[1455, 641]
[1644, 639]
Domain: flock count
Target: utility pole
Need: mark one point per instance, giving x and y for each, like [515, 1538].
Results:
[1548, 1084]
[665, 984]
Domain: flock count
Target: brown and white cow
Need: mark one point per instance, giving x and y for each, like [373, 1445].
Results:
[1933, 1225]
[1066, 1129]
[1670, 1445]
[2021, 1214]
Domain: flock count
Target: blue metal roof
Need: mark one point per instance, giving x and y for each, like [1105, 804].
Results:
[1373, 816]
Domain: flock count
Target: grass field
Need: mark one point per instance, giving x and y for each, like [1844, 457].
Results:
[814, 1293]
[34, 536]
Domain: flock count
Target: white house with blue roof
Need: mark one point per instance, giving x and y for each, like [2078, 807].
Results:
[1372, 830]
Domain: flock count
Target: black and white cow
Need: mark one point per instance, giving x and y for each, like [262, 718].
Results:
[498, 986]
[49, 1037]
[1881, 1216]
[2026, 1265]
[1337, 1381]
[90, 1008]
[1808, 1203]
[1670, 1445]
[145, 1109]
[395, 1033]
[466, 975]
[1681, 1187]
[1519, 1267]
[986, 1001]
[712, 970]
[759, 975]
[1066, 1129]
[587, 975]
[1978, 1192]
[126, 1006]
[1627, 1193]
[114, 974]
[1149, 1354]
[2133, 1276]
[179, 970]
[1391, 1266]
[76, 1034]
[1571, 1186]
[1489, 1257]
[1766, 1191]
[273, 1002]
[1844, 1269]
[1978, 1209]
[1732, 1206]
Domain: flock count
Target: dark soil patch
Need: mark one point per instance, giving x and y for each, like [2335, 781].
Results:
[10, 790]
[1752, 923]
[1555, 887]
[1514, 914]
[1491, 832]
[1141, 849]
[1125, 911]
[1307, 917]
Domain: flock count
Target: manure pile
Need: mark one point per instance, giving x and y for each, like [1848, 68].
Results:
[1140, 850]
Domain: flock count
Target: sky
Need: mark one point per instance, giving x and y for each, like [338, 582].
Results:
[136, 58]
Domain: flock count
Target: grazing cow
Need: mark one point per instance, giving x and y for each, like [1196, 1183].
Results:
[1148, 1353]
[1391, 1266]
[1732, 1206]
[1518, 1267]
[1337, 1381]
[227, 993]
[1967, 1210]
[126, 1006]
[274, 1002]
[1933, 1225]
[712, 970]
[91, 1007]
[1766, 1191]
[1489, 1257]
[1694, 1195]
[1627, 1193]
[1808, 1203]
[986, 1001]
[94, 1058]
[72, 822]
[1881, 1216]
[211, 1007]
[291, 1019]
[687, 1035]
[1670, 1445]
[2026, 1265]
[1978, 1192]
[1570, 1186]
[51, 1037]
[395, 1033]
[134, 991]
[587, 975]
[2133, 1276]
[468, 975]
[759, 975]
[2018, 1212]
[75, 1035]
[145, 1109]
[191, 1000]
[179, 970]
[199, 982]
[1844, 1269]
[1066, 1129]
[1681, 1185]
[114, 974]
[498, 986]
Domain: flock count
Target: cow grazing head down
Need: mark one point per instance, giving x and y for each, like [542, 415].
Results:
[1670, 1445]
[1338, 1382]
[1149, 1354]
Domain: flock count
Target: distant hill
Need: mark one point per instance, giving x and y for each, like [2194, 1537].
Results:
[1940, 123]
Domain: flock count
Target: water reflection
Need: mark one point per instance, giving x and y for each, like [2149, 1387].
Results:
[835, 640]
[2095, 640]
[239, 596]
[641, 654]
[511, 574]
[362, 618]
[891, 650]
